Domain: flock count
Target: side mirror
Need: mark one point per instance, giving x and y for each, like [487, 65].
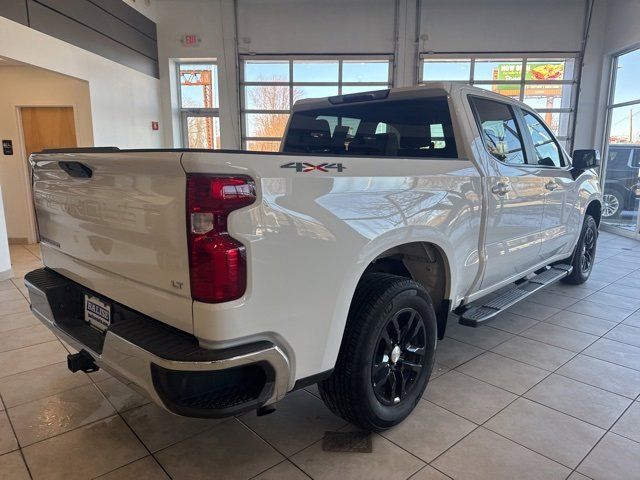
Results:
[586, 159]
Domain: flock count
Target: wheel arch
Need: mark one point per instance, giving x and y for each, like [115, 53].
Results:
[424, 262]
[391, 258]
[594, 208]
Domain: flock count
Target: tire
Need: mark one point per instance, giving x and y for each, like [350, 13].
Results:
[386, 310]
[584, 256]
[612, 204]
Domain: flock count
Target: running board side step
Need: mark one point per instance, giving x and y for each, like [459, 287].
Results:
[475, 315]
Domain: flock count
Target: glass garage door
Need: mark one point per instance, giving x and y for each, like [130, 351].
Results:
[547, 83]
[271, 84]
[621, 201]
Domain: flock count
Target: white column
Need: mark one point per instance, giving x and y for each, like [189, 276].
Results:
[5, 260]
[227, 64]
[594, 84]
[406, 46]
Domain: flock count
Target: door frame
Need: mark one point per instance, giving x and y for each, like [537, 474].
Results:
[551, 172]
[612, 77]
[33, 236]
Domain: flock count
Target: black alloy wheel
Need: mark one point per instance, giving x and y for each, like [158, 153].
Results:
[584, 255]
[387, 353]
[399, 357]
[587, 256]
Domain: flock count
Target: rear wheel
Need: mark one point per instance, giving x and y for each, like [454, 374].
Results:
[387, 353]
[585, 254]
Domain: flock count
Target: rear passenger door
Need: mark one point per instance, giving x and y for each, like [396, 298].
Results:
[561, 222]
[515, 196]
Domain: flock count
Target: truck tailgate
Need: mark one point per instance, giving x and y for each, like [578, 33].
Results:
[116, 224]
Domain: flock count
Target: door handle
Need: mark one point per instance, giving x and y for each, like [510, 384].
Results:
[501, 188]
[551, 185]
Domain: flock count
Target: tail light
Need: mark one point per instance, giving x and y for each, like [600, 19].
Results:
[217, 261]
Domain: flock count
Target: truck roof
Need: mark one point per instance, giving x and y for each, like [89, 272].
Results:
[425, 90]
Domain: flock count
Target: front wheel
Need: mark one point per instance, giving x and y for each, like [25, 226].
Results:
[584, 255]
[387, 353]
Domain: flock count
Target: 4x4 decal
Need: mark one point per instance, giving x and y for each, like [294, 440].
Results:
[305, 167]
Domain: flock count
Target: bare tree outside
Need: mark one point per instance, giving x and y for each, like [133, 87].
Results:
[270, 97]
[203, 132]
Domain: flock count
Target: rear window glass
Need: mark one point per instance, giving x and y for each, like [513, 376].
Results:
[400, 128]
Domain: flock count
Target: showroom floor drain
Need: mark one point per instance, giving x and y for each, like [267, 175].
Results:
[356, 442]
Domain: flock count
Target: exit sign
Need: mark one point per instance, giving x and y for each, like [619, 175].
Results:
[190, 40]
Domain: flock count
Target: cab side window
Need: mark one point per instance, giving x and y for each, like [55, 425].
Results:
[635, 160]
[545, 146]
[499, 129]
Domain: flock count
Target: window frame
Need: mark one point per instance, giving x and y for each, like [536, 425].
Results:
[564, 159]
[526, 152]
[610, 101]
[524, 58]
[291, 84]
[185, 112]
[605, 144]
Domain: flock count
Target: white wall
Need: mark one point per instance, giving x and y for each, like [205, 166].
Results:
[589, 101]
[615, 27]
[30, 86]
[213, 21]
[623, 26]
[124, 101]
[275, 26]
[312, 26]
[502, 25]
[351, 26]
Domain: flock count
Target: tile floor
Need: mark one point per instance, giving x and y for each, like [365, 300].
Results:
[548, 390]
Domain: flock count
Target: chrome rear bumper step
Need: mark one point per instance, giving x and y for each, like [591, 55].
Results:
[167, 365]
[475, 315]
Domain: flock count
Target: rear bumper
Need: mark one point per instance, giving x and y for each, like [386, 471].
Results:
[165, 364]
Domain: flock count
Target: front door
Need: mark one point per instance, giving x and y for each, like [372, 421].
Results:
[515, 196]
[561, 222]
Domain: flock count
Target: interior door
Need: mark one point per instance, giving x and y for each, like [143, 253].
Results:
[48, 127]
[45, 127]
[516, 197]
[561, 221]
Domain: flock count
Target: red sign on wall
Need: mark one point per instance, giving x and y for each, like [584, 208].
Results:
[190, 40]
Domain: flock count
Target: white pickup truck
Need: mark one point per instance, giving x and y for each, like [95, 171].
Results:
[217, 281]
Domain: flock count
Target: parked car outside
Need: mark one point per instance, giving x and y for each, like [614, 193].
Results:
[622, 181]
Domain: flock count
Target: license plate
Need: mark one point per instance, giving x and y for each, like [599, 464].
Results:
[97, 313]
